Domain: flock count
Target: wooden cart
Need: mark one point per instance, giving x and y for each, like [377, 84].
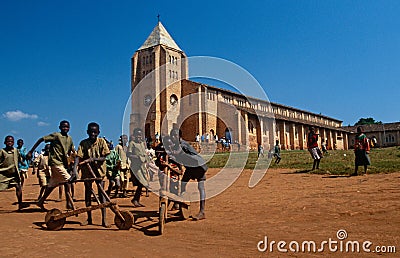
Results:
[55, 218]
[167, 194]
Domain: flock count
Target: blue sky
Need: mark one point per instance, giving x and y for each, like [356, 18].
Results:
[71, 59]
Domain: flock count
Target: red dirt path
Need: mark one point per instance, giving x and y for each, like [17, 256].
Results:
[285, 206]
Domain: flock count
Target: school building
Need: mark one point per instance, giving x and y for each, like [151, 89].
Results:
[385, 134]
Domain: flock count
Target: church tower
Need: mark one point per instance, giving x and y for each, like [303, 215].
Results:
[158, 67]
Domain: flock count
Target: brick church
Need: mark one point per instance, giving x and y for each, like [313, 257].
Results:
[163, 98]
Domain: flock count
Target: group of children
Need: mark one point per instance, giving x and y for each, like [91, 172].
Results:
[57, 166]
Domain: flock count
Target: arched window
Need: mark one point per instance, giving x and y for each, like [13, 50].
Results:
[389, 138]
[251, 127]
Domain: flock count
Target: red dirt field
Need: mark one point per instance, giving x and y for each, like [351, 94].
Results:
[284, 206]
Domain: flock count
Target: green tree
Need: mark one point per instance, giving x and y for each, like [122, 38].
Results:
[367, 121]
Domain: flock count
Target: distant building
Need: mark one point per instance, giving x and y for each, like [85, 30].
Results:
[168, 99]
[386, 135]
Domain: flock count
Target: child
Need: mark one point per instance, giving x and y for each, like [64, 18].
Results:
[113, 162]
[175, 169]
[24, 165]
[61, 146]
[260, 150]
[277, 152]
[184, 154]
[323, 147]
[93, 148]
[361, 151]
[9, 173]
[121, 149]
[137, 154]
[312, 145]
[43, 169]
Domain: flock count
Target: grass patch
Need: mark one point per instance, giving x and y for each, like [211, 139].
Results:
[338, 162]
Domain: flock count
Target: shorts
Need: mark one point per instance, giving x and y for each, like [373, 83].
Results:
[24, 173]
[194, 173]
[59, 175]
[315, 153]
[43, 178]
[9, 181]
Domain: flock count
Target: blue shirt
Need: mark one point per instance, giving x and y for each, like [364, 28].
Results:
[24, 164]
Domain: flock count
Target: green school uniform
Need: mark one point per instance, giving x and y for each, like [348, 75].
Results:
[9, 173]
[98, 149]
[60, 146]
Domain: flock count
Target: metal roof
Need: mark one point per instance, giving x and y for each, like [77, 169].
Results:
[159, 36]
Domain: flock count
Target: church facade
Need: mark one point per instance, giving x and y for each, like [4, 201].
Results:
[163, 98]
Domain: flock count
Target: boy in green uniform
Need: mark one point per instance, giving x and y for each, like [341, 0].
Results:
[61, 146]
[9, 173]
[93, 148]
[113, 162]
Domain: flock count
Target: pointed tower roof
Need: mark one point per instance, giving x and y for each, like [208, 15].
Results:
[158, 36]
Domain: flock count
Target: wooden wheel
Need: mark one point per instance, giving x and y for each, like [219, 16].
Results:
[124, 225]
[54, 224]
[184, 210]
[162, 217]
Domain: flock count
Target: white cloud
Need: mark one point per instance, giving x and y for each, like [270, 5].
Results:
[18, 115]
[41, 123]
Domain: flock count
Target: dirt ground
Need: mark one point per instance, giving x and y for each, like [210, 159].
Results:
[284, 206]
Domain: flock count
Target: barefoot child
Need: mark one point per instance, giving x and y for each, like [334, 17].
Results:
[24, 165]
[124, 171]
[9, 173]
[93, 148]
[43, 169]
[61, 146]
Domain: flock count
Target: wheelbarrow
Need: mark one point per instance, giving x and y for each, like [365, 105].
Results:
[168, 194]
[55, 219]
